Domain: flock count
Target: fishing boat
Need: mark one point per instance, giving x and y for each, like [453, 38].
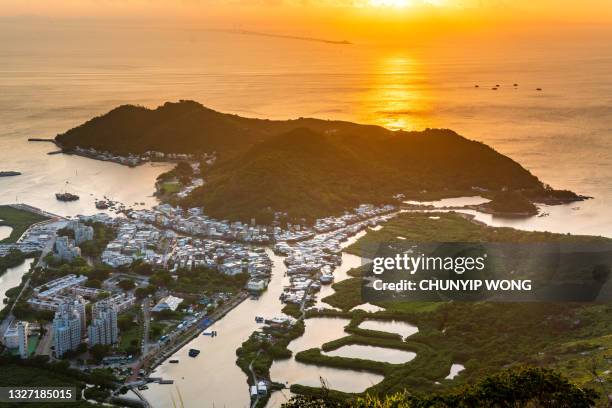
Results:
[326, 279]
[194, 352]
[66, 197]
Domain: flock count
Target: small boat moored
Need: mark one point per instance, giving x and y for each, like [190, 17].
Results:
[66, 197]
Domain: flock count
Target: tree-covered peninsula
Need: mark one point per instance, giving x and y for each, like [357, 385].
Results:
[307, 167]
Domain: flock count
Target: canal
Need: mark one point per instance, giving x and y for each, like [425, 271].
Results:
[213, 378]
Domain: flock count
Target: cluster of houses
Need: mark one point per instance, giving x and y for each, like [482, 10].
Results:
[35, 239]
[191, 239]
[318, 257]
[194, 222]
[52, 294]
[136, 240]
[361, 213]
[133, 160]
[230, 258]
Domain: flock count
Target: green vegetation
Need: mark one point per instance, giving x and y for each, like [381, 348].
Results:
[456, 227]
[204, 280]
[311, 174]
[14, 258]
[293, 310]
[510, 202]
[312, 167]
[38, 372]
[65, 232]
[182, 173]
[571, 338]
[522, 387]
[347, 293]
[19, 220]
[56, 269]
[260, 351]
[170, 187]
[103, 234]
[130, 340]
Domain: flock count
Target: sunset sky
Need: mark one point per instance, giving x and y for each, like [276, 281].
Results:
[328, 17]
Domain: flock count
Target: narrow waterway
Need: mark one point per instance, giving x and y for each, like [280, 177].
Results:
[12, 278]
[213, 378]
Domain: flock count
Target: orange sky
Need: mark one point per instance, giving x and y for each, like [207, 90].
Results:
[339, 18]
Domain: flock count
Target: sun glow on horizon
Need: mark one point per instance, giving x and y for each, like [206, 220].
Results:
[391, 3]
[404, 3]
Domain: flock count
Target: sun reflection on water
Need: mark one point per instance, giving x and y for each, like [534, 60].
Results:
[397, 98]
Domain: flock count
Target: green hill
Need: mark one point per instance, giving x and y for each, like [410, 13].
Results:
[312, 174]
[181, 127]
[306, 167]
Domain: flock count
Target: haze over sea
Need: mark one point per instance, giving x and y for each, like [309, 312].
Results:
[53, 77]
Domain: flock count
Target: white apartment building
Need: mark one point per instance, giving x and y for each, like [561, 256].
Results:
[16, 336]
[67, 328]
[58, 286]
[65, 249]
[103, 328]
[82, 232]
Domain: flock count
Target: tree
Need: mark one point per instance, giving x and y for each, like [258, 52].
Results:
[102, 377]
[141, 268]
[124, 322]
[142, 293]
[161, 278]
[65, 232]
[126, 284]
[81, 348]
[98, 352]
[93, 283]
[522, 387]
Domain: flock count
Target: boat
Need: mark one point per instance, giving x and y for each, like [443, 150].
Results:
[143, 387]
[66, 197]
[326, 279]
[259, 319]
[194, 352]
[173, 361]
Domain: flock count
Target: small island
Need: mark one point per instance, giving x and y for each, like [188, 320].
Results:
[509, 203]
[9, 173]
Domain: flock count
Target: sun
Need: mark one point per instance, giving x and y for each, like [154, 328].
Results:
[391, 3]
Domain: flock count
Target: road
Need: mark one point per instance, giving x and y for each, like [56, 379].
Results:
[255, 381]
[44, 345]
